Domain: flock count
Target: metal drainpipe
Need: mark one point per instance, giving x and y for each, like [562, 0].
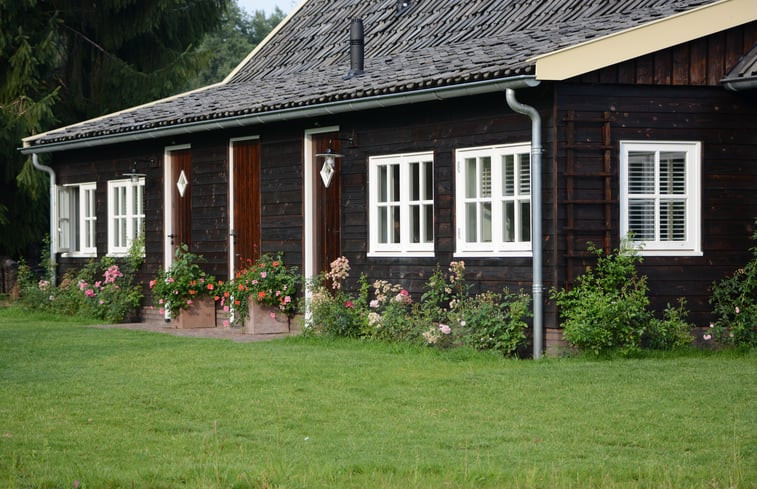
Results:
[536, 232]
[53, 206]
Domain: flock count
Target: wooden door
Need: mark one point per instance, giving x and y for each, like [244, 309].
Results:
[245, 232]
[179, 227]
[328, 201]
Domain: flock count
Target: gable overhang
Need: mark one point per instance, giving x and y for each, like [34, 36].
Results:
[306, 112]
[645, 39]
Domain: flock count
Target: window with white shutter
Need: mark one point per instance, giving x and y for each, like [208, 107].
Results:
[660, 196]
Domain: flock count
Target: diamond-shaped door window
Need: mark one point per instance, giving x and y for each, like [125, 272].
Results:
[182, 183]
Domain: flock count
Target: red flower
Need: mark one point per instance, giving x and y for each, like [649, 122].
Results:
[349, 305]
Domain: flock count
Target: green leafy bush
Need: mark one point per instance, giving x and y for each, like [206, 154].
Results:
[734, 302]
[103, 289]
[672, 332]
[496, 321]
[607, 308]
[446, 317]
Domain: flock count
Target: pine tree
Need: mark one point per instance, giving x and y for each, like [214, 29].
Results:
[63, 61]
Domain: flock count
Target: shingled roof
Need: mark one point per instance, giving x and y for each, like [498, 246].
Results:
[434, 44]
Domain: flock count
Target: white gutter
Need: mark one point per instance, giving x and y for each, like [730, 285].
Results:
[330, 108]
[53, 213]
[536, 231]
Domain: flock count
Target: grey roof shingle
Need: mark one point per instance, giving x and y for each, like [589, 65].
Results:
[435, 43]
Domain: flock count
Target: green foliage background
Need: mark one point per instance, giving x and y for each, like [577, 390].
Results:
[65, 61]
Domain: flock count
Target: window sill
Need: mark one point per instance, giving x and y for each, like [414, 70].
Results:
[78, 255]
[648, 252]
[494, 254]
[399, 254]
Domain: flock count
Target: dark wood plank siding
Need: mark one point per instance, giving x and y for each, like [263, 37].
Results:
[726, 125]
[442, 128]
[702, 62]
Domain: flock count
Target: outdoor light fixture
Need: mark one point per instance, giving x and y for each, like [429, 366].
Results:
[133, 174]
[329, 164]
[329, 160]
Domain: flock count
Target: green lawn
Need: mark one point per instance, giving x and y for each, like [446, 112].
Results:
[116, 408]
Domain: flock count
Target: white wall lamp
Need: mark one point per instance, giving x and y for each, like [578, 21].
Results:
[329, 160]
[134, 175]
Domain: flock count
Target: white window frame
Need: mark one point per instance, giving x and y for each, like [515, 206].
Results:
[130, 214]
[405, 202]
[522, 193]
[691, 245]
[77, 219]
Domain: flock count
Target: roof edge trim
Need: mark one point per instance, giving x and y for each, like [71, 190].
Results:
[648, 38]
[331, 108]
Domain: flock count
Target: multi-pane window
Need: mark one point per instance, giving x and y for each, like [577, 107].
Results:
[402, 204]
[76, 219]
[126, 214]
[660, 196]
[494, 200]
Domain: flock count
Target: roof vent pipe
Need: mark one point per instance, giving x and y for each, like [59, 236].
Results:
[357, 49]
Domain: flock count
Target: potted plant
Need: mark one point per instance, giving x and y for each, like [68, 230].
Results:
[185, 291]
[262, 295]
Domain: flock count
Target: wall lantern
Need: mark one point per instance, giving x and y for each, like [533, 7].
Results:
[329, 159]
[329, 164]
[133, 174]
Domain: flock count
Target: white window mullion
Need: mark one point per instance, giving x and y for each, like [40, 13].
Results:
[500, 192]
[398, 205]
[125, 214]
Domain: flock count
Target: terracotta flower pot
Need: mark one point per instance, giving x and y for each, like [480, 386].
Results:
[265, 320]
[201, 314]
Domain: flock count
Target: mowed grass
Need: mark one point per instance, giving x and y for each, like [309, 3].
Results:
[94, 408]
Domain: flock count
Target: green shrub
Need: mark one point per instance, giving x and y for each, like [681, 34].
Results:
[672, 332]
[607, 308]
[734, 302]
[497, 321]
[103, 289]
[446, 317]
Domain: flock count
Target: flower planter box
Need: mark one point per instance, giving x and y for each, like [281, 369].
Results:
[201, 314]
[265, 320]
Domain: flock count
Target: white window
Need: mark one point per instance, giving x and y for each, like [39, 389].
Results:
[76, 219]
[126, 214]
[493, 200]
[660, 196]
[401, 197]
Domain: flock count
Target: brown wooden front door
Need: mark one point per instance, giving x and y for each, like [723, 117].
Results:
[328, 201]
[245, 233]
[180, 226]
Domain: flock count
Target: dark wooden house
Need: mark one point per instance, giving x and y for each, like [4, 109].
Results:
[506, 133]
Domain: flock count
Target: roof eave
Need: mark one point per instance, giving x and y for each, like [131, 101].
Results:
[319, 110]
[645, 39]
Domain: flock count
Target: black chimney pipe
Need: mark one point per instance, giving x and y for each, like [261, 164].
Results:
[357, 49]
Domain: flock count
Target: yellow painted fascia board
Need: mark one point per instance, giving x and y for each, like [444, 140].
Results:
[644, 39]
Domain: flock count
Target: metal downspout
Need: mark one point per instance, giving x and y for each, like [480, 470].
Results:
[536, 230]
[53, 207]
